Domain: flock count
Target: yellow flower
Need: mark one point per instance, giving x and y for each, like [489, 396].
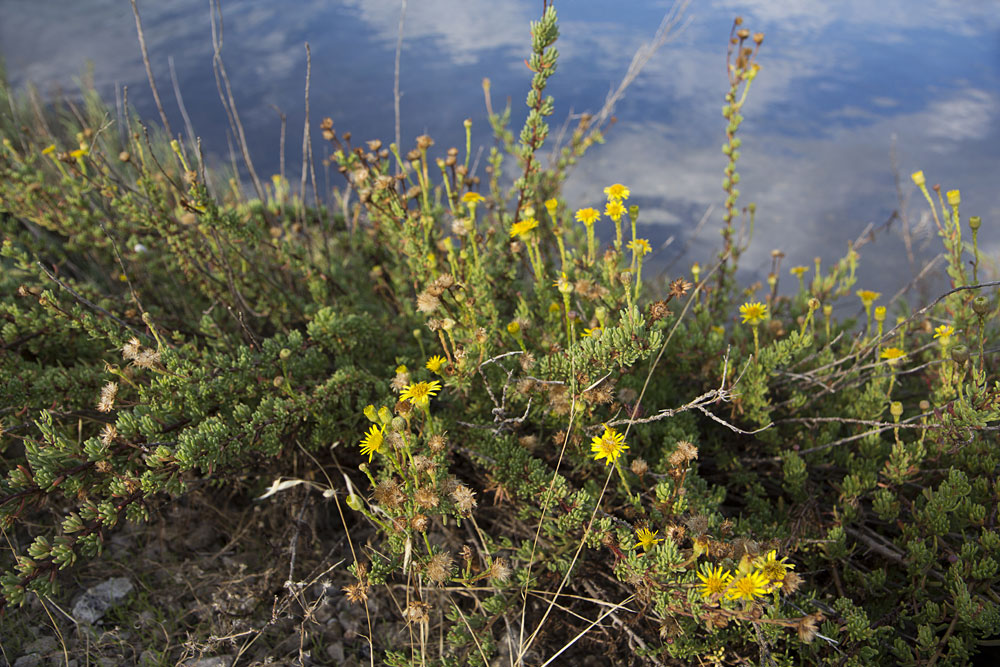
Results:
[918, 178]
[614, 210]
[372, 442]
[944, 332]
[868, 297]
[472, 198]
[753, 313]
[587, 333]
[954, 197]
[400, 369]
[714, 581]
[49, 149]
[514, 327]
[551, 205]
[892, 355]
[420, 393]
[772, 568]
[78, 153]
[616, 192]
[880, 314]
[522, 228]
[798, 271]
[609, 445]
[435, 363]
[640, 247]
[647, 539]
[749, 586]
[588, 216]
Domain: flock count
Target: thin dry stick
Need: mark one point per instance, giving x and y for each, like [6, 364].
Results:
[149, 70]
[180, 101]
[667, 30]
[305, 137]
[228, 100]
[395, 79]
[587, 629]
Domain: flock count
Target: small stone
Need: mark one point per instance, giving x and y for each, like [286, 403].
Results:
[92, 605]
[30, 660]
[335, 651]
[41, 645]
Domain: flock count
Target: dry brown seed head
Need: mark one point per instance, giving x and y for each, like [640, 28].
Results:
[424, 142]
[416, 612]
[388, 493]
[426, 497]
[639, 467]
[439, 567]
[424, 463]
[499, 570]
[437, 442]
[464, 498]
[419, 522]
[427, 302]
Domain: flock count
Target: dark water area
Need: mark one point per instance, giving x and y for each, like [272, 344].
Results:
[850, 95]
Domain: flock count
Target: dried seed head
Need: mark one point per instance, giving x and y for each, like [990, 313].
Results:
[697, 524]
[439, 567]
[639, 467]
[108, 434]
[680, 287]
[427, 302]
[529, 442]
[419, 522]
[658, 310]
[464, 498]
[356, 592]
[146, 358]
[426, 498]
[499, 570]
[685, 452]
[399, 382]
[791, 582]
[807, 626]
[388, 494]
[416, 612]
[131, 349]
[424, 142]
[527, 361]
[108, 394]
[437, 442]
[424, 463]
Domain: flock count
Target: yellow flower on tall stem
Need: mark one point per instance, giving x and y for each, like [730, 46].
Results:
[617, 192]
[868, 297]
[753, 313]
[588, 216]
[609, 446]
[639, 248]
[524, 230]
[615, 210]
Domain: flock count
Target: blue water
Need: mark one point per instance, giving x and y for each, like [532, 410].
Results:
[842, 86]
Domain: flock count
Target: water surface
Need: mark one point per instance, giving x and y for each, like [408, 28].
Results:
[851, 94]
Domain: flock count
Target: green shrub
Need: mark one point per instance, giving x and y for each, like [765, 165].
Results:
[788, 487]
